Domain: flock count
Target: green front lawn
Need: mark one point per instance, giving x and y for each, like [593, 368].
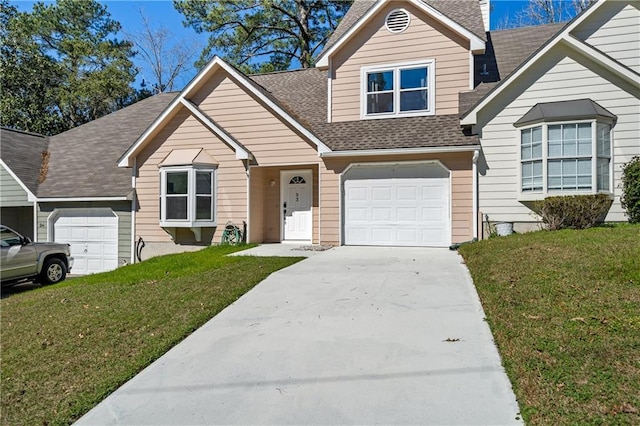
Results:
[66, 347]
[564, 308]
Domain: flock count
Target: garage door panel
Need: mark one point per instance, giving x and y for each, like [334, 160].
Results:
[382, 235]
[381, 214]
[407, 193]
[406, 214]
[398, 208]
[381, 193]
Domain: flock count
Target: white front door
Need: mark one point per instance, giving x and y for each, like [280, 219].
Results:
[297, 199]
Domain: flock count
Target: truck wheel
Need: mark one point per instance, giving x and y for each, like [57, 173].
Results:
[53, 271]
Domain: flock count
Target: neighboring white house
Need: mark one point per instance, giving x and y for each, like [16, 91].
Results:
[567, 120]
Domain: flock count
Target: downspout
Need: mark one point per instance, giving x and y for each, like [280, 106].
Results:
[248, 227]
[35, 221]
[474, 160]
[133, 211]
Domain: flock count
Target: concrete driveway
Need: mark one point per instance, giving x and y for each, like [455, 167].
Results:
[352, 335]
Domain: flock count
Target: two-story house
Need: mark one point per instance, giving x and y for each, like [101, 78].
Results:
[415, 123]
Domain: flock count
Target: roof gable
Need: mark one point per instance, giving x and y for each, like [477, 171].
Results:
[22, 154]
[183, 101]
[352, 23]
[567, 39]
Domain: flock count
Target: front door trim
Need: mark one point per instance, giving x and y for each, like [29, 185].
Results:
[285, 176]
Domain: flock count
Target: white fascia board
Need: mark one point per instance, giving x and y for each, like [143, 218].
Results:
[63, 199]
[476, 44]
[282, 113]
[472, 116]
[601, 58]
[30, 195]
[241, 153]
[381, 152]
[126, 159]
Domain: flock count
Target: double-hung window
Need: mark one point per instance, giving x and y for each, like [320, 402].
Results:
[187, 196]
[398, 90]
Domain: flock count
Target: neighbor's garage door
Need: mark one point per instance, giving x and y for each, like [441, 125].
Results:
[93, 235]
[397, 205]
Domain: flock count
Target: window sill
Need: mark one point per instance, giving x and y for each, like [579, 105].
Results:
[187, 224]
[537, 196]
[394, 115]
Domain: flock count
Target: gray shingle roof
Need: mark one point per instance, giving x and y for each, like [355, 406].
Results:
[564, 110]
[464, 12]
[303, 93]
[393, 133]
[506, 51]
[514, 46]
[22, 153]
[83, 160]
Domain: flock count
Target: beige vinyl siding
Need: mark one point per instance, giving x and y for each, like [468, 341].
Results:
[461, 192]
[265, 215]
[614, 30]
[121, 208]
[13, 195]
[183, 132]
[253, 125]
[425, 39]
[562, 76]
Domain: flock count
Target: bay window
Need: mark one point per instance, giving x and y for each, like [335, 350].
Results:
[187, 196]
[400, 90]
[573, 157]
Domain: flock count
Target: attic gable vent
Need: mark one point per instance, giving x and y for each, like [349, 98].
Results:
[397, 20]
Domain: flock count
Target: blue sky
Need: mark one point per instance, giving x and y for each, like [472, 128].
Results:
[162, 13]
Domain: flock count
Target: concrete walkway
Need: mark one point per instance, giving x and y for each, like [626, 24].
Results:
[351, 335]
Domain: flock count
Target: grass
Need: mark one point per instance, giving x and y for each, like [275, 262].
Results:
[66, 347]
[564, 309]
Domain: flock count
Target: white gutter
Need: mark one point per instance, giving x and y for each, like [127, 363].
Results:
[379, 152]
[49, 200]
[476, 155]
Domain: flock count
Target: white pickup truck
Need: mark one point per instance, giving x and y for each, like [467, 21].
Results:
[21, 260]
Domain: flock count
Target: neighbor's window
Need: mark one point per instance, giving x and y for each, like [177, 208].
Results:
[398, 91]
[187, 197]
[567, 157]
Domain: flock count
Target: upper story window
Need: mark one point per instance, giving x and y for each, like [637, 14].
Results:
[188, 191]
[566, 156]
[399, 90]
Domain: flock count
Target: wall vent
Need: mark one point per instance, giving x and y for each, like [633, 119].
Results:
[397, 20]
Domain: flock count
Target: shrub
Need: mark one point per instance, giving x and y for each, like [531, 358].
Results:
[631, 189]
[573, 211]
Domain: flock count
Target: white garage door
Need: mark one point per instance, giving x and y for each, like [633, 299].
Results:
[93, 235]
[397, 205]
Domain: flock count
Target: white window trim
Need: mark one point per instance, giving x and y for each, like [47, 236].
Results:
[396, 67]
[539, 195]
[190, 222]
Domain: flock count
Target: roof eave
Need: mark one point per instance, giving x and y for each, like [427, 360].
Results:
[471, 116]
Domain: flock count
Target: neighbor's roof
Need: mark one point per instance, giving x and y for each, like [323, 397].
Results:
[464, 12]
[506, 50]
[22, 153]
[84, 160]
